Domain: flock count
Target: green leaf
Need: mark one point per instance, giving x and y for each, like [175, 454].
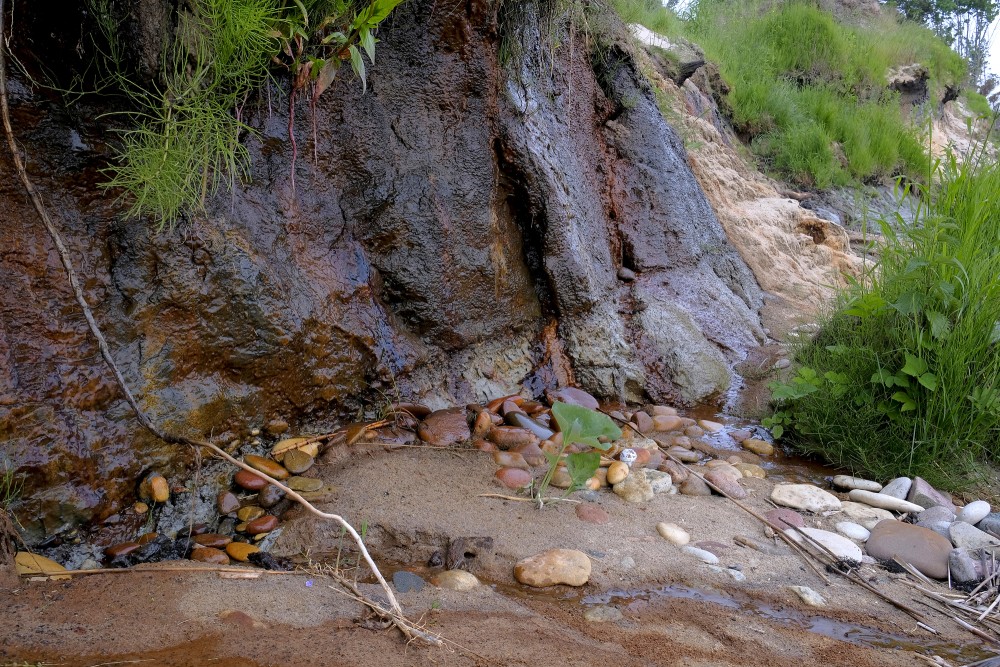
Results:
[585, 425]
[883, 377]
[915, 366]
[839, 348]
[582, 466]
[381, 9]
[305, 14]
[940, 325]
[905, 400]
[368, 44]
[909, 303]
[777, 430]
[358, 65]
[929, 380]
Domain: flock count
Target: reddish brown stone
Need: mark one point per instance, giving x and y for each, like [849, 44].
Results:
[785, 518]
[264, 524]
[513, 478]
[266, 466]
[249, 481]
[148, 537]
[212, 540]
[210, 555]
[121, 549]
[227, 502]
[507, 437]
[592, 513]
[445, 427]
[510, 460]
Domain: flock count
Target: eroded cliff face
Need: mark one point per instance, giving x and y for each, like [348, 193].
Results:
[456, 233]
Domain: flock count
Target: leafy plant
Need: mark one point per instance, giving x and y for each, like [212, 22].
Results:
[11, 487]
[578, 425]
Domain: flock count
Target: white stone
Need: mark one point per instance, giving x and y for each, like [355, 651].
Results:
[974, 512]
[710, 426]
[456, 580]
[660, 482]
[841, 547]
[898, 488]
[701, 554]
[884, 501]
[967, 536]
[805, 497]
[853, 531]
[673, 533]
[848, 482]
[808, 595]
[865, 515]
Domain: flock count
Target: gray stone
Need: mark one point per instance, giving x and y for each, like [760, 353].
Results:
[969, 537]
[407, 581]
[942, 528]
[805, 497]
[883, 501]
[898, 488]
[962, 566]
[808, 595]
[701, 554]
[990, 524]
[602, 614]
[974, 512]
[635, 488]
[866, 515]
[922, 548]
[925, 495]
[936, 513]
[660, 482]
[848, 482]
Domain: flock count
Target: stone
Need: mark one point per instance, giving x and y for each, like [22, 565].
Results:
[249, 513]
[726, 483]
[602, 614]
[757, 446]
[677, 472]
[635, 488]
[271, 468]
[966, 536]
[937, 513]
[665, 423]
[147, 538]
[240, 551]
[140, 508]
[227, 502]
[249, 481]
[442, 428]
[561, 478]
[660, 482]
[673, 533]
[510, 460]
[270, 496]
[841, 547]
[32, 564]
[592, 513]
[990, 524]
[710, 426]
[214, 540]
[455, 580]
[785, 518]
[805, 497]
[684, 455]
[853, 530]
[404, 582]
[210, 555]
[883, 501]
[808, 595]
[923, 494]
[643, 422]
[898, 488]
[781, 364]
[617, 472]
[663, 411]
[276, 426]
[849, 482]
[154, 488]
[942, 528]
[701, 554]
[694, 486]
[513, 478]
[962, 567]
[297, 461]
[922, 548]
[751, 470]
[511, 437]
[552, 567]
[302, 444]
[122, 549]
[573, 396]
[866, 515]
[262, 524]
[974, 512]
[532, 454]
[694, 431]
[304, 484]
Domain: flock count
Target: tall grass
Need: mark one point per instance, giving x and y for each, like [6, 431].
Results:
[904, 377]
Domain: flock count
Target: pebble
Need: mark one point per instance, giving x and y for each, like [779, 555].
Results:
[573, 396]
[759, 447]
[866, 515]
[635, 488]
[442, 428]
[942, 528]
[962, 566]
[262, 524]
[532, 454]
[276, 426]
[249, 481]
[751, 470]
[602, 614]
[805, 497]
[404, 582]
[785, 518]
[990, 524]
[482, 425]
[883, 501]
[122, 549]
[643, 422]
[304, 484]
[510, 460]
[140, 508]
[710, 426]
[227, 502]
[281, 448]
[922, 548]
[511, 437]
[925, 495]
[617, 472]
[685, 455]
[693, 486]
[842, 548]
[154, 488]
[969, 537]
[552, 567]
[212, 540]
[249, 513]
[660, 482]
[677, 473]
[848, 482]
[27, 564]
[269, 496]
[694, 431]
[592, 513]
[147, 538]
[663, 411]
[665, 423]
[522, 420]
[701, 554]
[627, 275]
[513, 478]
[210, 555]
[561, 478]
[898, 488]
[297, 461]
[726, 483]
[808, 595]
[974, 512]
[673, 533]
[455, 580]
[240, 551]
[266, 466]
[782, 364]
[937, 513]
[853, 530]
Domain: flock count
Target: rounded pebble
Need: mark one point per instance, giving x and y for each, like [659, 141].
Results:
[701, 554]
[121, 549]
[212, 540]
[974, 512]
[263, 524]
[304, 484]
[853, 531]
[592, 513]
[249, 513]
[513, 478]
[227, 502]
[455, 580]
[617, 471]
[240, 551]
[249, 481]
[210, 555]
[673, 533]
[266, 466]
[297, 461]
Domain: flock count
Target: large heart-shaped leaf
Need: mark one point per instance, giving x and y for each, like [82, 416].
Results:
[582, 466]
[585, 425]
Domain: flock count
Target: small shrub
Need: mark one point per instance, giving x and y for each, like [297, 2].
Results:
[578, 425]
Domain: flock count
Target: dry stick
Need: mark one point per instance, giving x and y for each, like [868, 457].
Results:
[169, 438]
[167, 568]
[407, 628]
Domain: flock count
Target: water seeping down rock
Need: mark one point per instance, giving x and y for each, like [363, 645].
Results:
[457, 233]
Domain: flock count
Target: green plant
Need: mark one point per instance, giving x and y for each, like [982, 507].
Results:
[903, 377]
[11, 486]
[578, 425]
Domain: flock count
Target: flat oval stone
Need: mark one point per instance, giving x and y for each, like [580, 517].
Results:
[673, 533]
[898, 488]
[663, 411]
[805, 497]
[297, 461]
[552, 567]
[513, 478]
[617, 471]
[757, 446]
[726, 483]
[510, 460]
[404, 582]
[287, 445]
[270, 496]
[710, 426]
[227, 502]
[266, 466]
[842, 548]
[442, 428]
[866, 515]
[922, 548]
[694, 486]
[121, 549]
[212, 540]
[666, 423]
[573, 396]
[974, 512]
[249, 481]
[883, 501]
[853, 531]
[785, 518]
[592, 513]
[508, 437]
[210, 555]
[147, 538]
[304, 484]
[249, 513]
[849, 482]
[701, 554]
[455, 580]
[263, 524]
[751, 470]
[240, 551]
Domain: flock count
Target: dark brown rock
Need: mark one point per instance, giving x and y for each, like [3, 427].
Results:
[122, 549]
[212, 540]
[227, 503]
[269, 496]
[920, 547]
[249, 481]
[263, 524]
[445, 427]
[210, 555]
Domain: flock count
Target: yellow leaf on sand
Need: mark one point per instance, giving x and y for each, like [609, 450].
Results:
[28, 564]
